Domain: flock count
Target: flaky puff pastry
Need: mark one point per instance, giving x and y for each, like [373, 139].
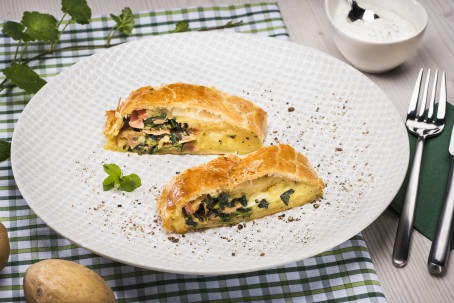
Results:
[184, 118]
[232, 188]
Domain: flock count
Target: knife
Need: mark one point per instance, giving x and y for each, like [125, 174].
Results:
[439, 251]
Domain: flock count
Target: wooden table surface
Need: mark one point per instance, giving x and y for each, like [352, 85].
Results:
[308, 25]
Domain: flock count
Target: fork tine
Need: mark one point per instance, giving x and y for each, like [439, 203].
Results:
[422, 107]
[442, 99]
[413, 107]
[432, 98]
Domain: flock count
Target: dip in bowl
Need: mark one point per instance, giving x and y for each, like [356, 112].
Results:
[384, 43]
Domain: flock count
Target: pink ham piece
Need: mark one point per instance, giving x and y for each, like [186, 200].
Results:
[157, 132]
[132, 136]
[136, 119]
[188, 208]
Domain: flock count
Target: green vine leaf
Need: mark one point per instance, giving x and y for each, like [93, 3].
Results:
[5, 150]
[77, 9]
[125, 21]
[24, 77]
[182, 26]
[39, 26]
[16, 31]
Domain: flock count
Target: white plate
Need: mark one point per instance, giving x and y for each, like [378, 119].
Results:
[347, 127]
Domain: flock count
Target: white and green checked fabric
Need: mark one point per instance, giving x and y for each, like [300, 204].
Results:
[343, 274]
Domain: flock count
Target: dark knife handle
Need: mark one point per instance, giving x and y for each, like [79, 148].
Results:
[439, 251]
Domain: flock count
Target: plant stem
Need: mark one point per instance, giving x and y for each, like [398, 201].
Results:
[23, 51]
[2, 85]
[59, 33]
[68, 48]
[17, 51]
[111, 33]
[227, 25]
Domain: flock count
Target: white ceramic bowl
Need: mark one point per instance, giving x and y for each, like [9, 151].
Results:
[376, 56]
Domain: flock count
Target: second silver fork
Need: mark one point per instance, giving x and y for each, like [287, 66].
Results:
[423, 125]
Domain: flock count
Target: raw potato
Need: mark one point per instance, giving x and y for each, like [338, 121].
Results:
[61, 281]
[4, 246]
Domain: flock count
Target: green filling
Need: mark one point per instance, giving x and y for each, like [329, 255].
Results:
[239, 213]
[177, 131]
[188, 219]
[262, 203]
[214, 208]
[149, 122]
[285, 197]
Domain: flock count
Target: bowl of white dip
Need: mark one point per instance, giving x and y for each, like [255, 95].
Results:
[384, 43]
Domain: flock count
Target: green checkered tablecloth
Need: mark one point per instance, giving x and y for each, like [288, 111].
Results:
[342, 274]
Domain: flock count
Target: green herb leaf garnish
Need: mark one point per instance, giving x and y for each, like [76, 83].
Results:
[182, 26]
[77, 9]
[41, 27]
[109, 183]
[125, 21]
[285, 197]
[113, 170]
[5, 150]
[24, 77]
[130, 182]
[117, 180]
[16, 31]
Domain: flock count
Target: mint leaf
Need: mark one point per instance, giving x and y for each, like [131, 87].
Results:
[130, 182]
[182, 26]
[116, 180]
[125, 21]
[5, 150]
[77, 9]
[24, 77]
[109, 183]
[113, 170]
[39, 26]
[16, 31]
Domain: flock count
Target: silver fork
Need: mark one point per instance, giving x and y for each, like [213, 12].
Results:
[423, 125]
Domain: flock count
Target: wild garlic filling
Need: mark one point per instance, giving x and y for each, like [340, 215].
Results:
[148, 133]
[225, 208]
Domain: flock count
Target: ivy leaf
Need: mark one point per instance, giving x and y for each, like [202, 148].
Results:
[130, 182]
[77, 9]
[24, 77]
[5, 150]
[182, 26]
[125, 21]
[39, 26]
[16, 31]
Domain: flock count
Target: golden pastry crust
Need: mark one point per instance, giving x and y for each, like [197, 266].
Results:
[198, 106]
[225, 173]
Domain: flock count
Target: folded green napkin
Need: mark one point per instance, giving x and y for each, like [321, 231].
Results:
[432, 181]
